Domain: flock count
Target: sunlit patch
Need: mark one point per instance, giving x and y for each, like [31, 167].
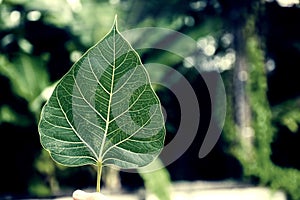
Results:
[75, 55]
[6, 40]
[75, 5]
[25, 45]
[189, 62]
[198, 5]
[208, 59]
[189, 21]
[207, 45]
[288, 3]
[15, 17]
[226, 39]
[34, 15]
[243, 75]
[270, 65]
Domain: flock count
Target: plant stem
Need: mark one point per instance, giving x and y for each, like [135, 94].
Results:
[99, 171]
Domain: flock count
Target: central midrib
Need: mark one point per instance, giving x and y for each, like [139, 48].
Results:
[110, 95]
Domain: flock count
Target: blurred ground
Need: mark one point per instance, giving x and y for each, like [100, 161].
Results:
[204, 190]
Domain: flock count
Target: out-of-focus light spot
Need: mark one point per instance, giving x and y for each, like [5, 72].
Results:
[217, 5]
[248, 132]
[227, 61]
[47, 92]
[189, 21]
[114, 2]
[288, 3]
[7, 40]
[189, 62]
[25, 45]
[218, 62]
[198, 5]
[1, 1]
[270, 65]
[209, 60]
[201, 43]
[15, 17]
[226, 39]
[207, 45]
[230, 55]
[75, 55]
[7, 114]
[209, 50]
[34, 15]
[177, 22]
[243, 75]
[75, 5]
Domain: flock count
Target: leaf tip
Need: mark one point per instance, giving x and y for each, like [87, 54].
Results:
[116, 20]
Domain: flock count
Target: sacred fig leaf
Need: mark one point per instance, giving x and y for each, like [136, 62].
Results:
[104, 110]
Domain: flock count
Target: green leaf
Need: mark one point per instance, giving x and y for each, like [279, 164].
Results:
[104, 110]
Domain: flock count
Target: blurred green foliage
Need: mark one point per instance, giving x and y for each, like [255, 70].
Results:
[287, 114]
[287, 179]
[257, 163]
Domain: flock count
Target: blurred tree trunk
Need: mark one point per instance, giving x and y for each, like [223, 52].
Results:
[238, 14]
[242, 113]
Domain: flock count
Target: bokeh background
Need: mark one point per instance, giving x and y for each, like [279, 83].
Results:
[253, 44]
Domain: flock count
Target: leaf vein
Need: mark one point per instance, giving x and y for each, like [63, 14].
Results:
[130, 136]
[91, 149]
[83, 98]
[96, 76]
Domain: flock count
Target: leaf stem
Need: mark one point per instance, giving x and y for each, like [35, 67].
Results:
[99, 171]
